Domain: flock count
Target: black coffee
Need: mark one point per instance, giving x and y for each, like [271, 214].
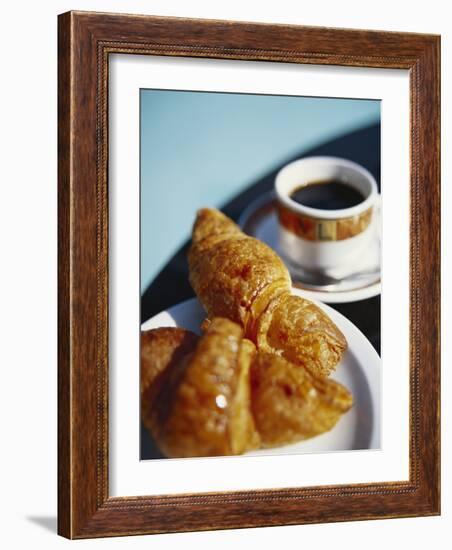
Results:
[327, 195]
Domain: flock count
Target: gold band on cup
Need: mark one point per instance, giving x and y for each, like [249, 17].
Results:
[317, 229]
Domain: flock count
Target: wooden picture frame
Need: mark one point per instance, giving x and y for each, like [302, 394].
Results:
[85, 42]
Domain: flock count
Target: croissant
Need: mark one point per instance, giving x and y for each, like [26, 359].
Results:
[162, 349]
[241, 278]
[199, 405]
[216, 395]
[289, 404]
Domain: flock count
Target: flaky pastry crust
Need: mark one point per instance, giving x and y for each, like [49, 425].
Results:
[241, 278]
[290, 404]
[203, 406]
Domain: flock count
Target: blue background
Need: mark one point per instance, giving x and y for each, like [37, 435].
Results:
[201, 149]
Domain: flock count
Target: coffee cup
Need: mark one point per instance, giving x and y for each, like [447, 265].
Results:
[326, 212]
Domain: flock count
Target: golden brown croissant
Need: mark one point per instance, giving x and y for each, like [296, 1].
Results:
[216, 395]
[161, 350]
[241, 278]
[289, 404]
[201, 406]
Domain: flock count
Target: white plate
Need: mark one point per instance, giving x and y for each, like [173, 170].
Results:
[259, 219]
[359, 371]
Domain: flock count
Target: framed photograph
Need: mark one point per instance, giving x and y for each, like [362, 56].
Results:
[248, 275]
